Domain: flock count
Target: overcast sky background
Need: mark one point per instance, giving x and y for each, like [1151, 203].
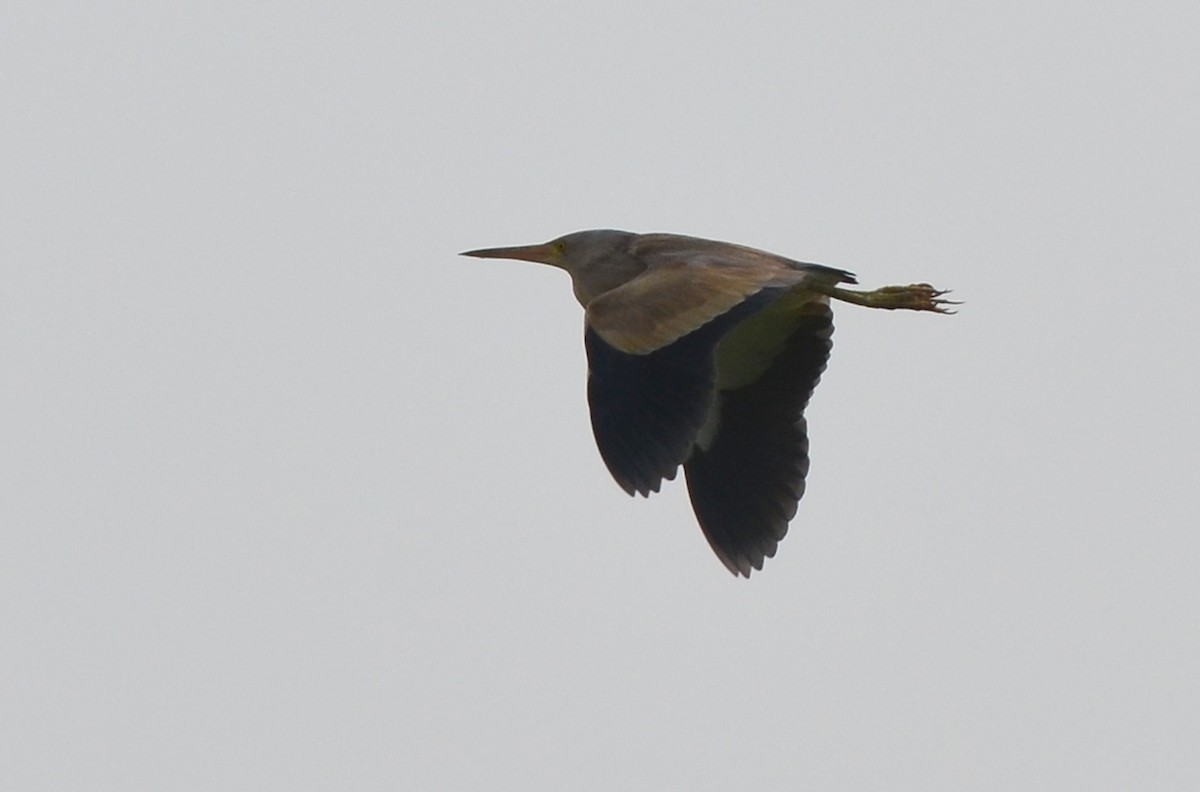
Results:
[294, 497]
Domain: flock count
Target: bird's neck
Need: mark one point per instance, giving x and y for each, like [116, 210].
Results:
[593, 279]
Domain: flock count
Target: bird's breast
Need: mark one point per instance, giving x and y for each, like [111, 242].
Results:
[748, 350]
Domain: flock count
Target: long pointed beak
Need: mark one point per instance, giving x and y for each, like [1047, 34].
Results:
[542, 254]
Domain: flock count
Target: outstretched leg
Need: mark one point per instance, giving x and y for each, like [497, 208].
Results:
[914, 297]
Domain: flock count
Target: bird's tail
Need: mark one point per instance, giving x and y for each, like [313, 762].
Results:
[831, 275]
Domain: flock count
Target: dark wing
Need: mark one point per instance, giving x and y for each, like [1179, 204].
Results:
[648, 409]
[747, 478]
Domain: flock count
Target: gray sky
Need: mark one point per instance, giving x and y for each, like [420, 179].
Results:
[296, 498]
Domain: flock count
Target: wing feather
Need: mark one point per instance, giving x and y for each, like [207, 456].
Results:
[747, 477]
[648, 410]
[687, 283]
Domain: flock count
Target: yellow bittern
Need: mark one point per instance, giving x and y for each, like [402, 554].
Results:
[704, 354]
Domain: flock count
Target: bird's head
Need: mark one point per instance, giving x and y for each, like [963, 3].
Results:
[597, 260]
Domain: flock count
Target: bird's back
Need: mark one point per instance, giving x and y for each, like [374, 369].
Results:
[661, 248]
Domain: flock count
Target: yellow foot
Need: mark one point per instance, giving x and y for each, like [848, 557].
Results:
[914, 297]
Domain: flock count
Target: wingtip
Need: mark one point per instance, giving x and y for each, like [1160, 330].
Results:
[746, 564]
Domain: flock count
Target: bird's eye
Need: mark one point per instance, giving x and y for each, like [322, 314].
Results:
[560, 246]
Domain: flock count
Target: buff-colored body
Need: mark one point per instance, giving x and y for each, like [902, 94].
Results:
[704, 354]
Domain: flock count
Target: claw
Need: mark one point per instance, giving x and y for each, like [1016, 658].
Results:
[913, 297]
[919, 297]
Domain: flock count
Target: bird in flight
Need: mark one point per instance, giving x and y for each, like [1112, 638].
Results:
[704, 354]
